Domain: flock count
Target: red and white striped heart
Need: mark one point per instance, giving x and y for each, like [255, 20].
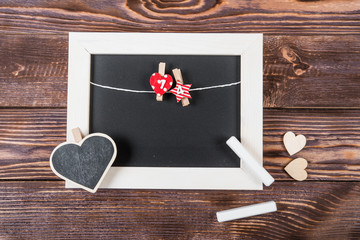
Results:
[160, 84]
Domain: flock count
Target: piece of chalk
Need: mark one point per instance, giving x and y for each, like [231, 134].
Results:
[250, 161]
[246, 211]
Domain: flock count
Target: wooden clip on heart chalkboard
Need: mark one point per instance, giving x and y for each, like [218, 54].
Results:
[85, 162]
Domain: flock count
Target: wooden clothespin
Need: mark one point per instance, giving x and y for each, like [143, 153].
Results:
[162, 73]
[76, 132]
[160, 82]
[181, 91]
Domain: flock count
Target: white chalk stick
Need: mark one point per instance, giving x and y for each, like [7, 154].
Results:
[246, 211]
[250, 161]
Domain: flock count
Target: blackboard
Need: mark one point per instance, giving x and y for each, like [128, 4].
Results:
[84, 163]
[165, 134]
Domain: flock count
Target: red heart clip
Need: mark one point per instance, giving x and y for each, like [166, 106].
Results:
[160, 84]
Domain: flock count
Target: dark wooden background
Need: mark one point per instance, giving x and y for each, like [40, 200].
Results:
[311, 87]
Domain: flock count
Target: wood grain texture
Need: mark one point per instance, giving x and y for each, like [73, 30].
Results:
[333, 142]
[286, 16]
[312, 71]
[27, 137]
[311, 60]
[299, 71]
[306, 210]
[33, 70]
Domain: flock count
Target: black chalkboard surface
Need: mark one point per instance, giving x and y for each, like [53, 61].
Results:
[165, 134]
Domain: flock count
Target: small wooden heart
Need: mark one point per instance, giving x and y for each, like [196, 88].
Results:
[84, 163]
[294, 144]
[296, 169]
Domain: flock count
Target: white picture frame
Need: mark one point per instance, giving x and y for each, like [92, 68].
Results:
[248, 46]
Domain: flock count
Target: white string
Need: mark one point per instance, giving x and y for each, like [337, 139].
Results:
[121, 89]
[212, 87]
[142, 91]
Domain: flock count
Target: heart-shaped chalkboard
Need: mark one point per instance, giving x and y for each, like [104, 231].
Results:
[160, 84]
[84, 163]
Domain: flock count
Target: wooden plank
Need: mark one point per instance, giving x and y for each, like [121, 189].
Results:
[27, 137]
[333, 142]
[290, 16]
[312, 71]
[34, 71]
[306, 210]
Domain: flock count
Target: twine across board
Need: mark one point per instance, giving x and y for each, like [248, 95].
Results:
[143, 91]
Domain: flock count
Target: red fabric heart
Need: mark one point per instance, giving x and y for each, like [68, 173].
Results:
[161, 84]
